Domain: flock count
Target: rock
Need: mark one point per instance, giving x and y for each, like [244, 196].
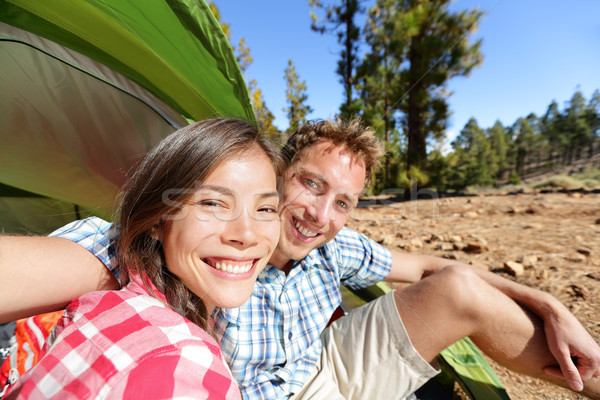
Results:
[575, 257]
[594, 275]
[513, 210]
[436, 238]
[480, 265]
[476, 247]
[533, 226]
[455, 238]
[374, 223]
[543, 275]
[598, 221]
[450, 256]
[416, 243]
[367, 232]
[585, 251]
[386, 240]
[514, 268]
[400, 235]
[459, 246]
[532, 210]
[575, 195]
[470, 214]
[426, 238]
[528, 261]
[579, 291]
[444, 246]
[478, 239]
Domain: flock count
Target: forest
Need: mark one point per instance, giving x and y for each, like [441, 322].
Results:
[394, 70]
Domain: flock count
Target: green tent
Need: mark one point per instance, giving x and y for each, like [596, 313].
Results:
[88, 86]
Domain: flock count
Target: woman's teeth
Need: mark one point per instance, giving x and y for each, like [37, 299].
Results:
[234, 269]
[305, 231]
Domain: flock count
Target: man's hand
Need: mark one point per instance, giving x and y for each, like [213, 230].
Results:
[577, 353]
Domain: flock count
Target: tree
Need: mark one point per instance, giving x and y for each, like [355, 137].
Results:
[592, 113]
[264, 116]
[378, 79]
[340, 20]
[576, 126]
[438, 50]
[295, 94]
[523, 138]
[421, 45]
[496, 136]
[550, 130]
[474, 156]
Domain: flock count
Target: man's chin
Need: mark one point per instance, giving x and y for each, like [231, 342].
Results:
[294, 252]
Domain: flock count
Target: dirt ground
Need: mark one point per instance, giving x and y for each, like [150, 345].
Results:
[551, 241]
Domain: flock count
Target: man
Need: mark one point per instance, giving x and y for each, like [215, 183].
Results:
[276, 343]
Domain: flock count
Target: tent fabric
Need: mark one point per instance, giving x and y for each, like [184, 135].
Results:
[87, 87]
[175, 48]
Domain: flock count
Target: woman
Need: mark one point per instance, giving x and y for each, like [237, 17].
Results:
[198, 223]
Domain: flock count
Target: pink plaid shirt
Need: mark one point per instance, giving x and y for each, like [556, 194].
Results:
[127, 345]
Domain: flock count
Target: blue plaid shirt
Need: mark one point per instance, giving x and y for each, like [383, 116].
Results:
[272, 342]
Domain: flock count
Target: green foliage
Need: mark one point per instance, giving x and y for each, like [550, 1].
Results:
[414, 48]
[339, 19]
[558, 181]
[295, 94]
[514, 179]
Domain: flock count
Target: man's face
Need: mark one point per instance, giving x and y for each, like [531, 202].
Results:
[319, 193]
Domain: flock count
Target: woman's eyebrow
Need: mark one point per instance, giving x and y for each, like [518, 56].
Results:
[228, 192]
[219, 189]
[267, 195]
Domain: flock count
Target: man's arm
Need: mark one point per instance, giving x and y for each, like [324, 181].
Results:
[43, 274]
[566, 337]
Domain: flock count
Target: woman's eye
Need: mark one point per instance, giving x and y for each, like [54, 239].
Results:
[210, 203]
[268, 209]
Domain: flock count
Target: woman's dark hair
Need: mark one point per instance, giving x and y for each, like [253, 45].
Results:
[162, 184]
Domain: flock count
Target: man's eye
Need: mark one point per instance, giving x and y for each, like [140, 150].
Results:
[342, 204]
[310, 183]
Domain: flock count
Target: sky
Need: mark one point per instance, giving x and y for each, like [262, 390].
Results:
[534, 52]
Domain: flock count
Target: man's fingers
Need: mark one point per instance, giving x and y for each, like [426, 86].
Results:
[571, 374]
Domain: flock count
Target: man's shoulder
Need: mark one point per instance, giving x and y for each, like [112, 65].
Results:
[350, 238]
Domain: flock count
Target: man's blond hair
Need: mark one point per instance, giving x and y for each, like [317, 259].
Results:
[359, 139]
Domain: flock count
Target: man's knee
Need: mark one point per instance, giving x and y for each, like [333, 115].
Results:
[462, 288]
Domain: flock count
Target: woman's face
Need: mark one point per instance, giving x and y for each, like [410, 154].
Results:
[221, 240]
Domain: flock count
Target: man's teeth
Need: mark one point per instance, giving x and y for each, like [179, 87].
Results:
[233, 269]
[305, 231]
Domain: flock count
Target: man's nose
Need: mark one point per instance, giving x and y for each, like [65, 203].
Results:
[320, 212]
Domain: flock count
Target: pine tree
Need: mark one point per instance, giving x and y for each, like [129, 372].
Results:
[339, 19]
[592, 113]
[421, 45]
[295, 94]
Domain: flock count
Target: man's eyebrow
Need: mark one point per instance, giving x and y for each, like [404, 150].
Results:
[317, 177]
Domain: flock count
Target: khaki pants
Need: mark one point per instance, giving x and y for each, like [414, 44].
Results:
[367, 355]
